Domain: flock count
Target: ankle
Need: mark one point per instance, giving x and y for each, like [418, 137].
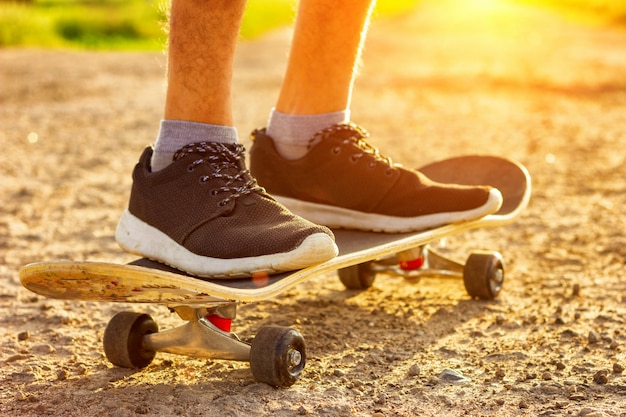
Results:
[175, 134]
[291, 132]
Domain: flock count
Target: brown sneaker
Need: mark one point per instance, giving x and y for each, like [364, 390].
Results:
[343, 182]
[206, 215]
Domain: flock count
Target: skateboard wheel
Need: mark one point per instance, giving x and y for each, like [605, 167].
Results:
[123, 339]
[277, 356]
[357, 277]
[483, 275]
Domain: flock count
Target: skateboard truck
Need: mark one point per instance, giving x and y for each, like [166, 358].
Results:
[482, 273]
[202, 336]
[277, 355]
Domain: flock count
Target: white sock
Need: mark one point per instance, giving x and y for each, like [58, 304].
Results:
[174, 134]
[291, 132]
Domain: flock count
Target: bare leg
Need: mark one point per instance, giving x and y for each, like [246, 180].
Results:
[326, 47]
[317, 87]
[202, 42]
[203, 38]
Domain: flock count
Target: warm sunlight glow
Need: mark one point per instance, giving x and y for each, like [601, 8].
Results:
[481, 5]
[478, 7]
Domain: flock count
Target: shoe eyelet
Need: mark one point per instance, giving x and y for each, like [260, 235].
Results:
[214, 192]
[355, 158]
[336, 150]
[389, 172]
[190, 168]
[371, 165]
[203, 179]
[222, 203]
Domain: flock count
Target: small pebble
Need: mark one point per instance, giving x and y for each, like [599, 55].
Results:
[601, 377]
[381, 399]
[561, 404]
[593, 337]
[551, 389]
[618, 368]
[590, 412]
[61, 374]
[454, 377]
[530, 375]
[23, 336]
[81, 369]
[414, 370]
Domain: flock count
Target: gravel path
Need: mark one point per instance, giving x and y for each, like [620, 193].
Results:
[439, 82]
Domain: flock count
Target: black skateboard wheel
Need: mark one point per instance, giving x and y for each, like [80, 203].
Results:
[357, 277]
[277, 356]
[123, 339]
[483, 275]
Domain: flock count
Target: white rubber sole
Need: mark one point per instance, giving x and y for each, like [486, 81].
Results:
[156, 245]
[337, 217]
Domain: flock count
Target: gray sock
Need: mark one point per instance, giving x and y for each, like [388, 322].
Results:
[291, 132]
[174, 134]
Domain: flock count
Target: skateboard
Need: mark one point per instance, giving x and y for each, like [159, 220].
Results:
[277, 355]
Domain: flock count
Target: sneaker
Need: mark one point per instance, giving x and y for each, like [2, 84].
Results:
[206, 215]
[343, 182]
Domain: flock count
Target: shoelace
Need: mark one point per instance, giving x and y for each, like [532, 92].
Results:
[358, 137]
[225, 162]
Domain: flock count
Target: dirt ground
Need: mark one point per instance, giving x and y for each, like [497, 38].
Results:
[439, 82]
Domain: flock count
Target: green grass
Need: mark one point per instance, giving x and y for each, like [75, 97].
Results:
[111, 24]
[138, 24]
[264, 15]
[126, 24]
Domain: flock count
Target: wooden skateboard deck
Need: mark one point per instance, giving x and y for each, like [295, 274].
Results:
[145, 281]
